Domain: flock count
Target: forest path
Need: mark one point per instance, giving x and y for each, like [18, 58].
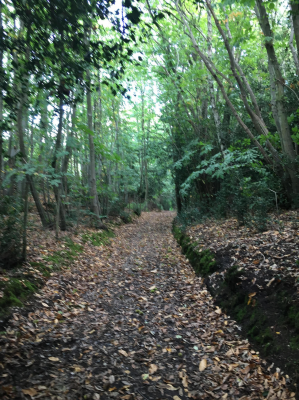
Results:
[130, 321]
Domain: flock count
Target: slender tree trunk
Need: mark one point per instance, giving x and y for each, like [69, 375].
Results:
[144, 150]
[293, 51]
[277, 94]
[20, 126]
[92, 170]
[24, 247]
[295, 17]
[57, 213]
[244, 87]
[218, 79]
[1, 95]
[211, 88]
[55, 165]
[92, 160]
[68, 149]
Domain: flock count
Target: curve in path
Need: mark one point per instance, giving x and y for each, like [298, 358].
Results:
[131, 321]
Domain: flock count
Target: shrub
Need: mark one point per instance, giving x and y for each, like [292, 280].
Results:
[125, 217]
[11, 232]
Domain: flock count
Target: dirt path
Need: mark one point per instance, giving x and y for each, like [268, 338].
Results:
[131, 321]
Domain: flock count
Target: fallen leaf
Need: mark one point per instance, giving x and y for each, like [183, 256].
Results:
[271, 281]
[252, 294]
[171, 387]
[152, 369]
[155, 378]
[203, 364]
[185, 381]
[123, 352]
[53, 358]
[31, 392]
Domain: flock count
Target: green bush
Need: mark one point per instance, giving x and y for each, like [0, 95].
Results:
[11, 232]
[116, 207]
[125, 217]
[14, 291]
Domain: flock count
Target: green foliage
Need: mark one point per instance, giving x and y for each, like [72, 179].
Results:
[116, 207]
[136, 209]
[98, 238]
[11, 230]
[125, 217]
[14, 291]
[64, 257]
[244, 190]
[191, 215]
[203, 261]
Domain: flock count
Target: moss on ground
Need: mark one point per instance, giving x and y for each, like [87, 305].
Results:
[98, 238]
[15, 290]
[261, 316]
[65, 257]
[202, 261]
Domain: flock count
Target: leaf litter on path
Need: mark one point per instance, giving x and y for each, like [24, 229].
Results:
[131, 321]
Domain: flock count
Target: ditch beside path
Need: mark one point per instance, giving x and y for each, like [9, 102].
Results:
[131, 321]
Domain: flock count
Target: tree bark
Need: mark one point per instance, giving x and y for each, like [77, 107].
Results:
[94, 201]
[209, 65]
[69, 150]
[56, 166]
[1, 95]
[20, 127]
[277, 97]
[211, 88]
[245, 90]
[295, 17]
[24, 244]
[293, 51]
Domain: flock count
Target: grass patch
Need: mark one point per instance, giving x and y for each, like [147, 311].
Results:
[62, 258]
[15, 290]
[98, 238]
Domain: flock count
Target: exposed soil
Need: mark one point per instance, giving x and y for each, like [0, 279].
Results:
[131, 321]
[264, 297]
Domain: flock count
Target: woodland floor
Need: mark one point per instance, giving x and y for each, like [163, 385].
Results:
[131, 321]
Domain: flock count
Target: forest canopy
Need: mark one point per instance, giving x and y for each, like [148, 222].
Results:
[110, 106]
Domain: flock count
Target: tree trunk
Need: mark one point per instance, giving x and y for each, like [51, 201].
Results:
[210, 67]
[277, 97]
[20, 126]
[245, 90]
[293, 51]
[295, 17]
[94, 202]
[1, 95]
[211, 88]
[24, 246]
[68, 149]
[55, 165]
